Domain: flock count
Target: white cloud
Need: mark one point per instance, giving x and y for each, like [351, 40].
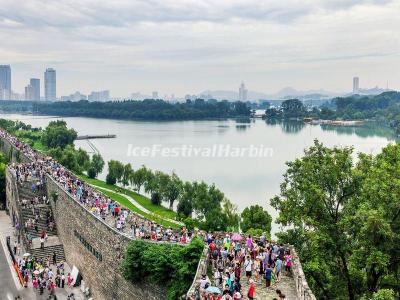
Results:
[177, 46]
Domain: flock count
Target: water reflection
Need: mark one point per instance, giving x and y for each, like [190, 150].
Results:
[292, 126]
[242, 127]
[369, 129]
[287, 126]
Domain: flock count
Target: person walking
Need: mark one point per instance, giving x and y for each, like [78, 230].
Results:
[268, 276]
[248, 266]
[252, 290]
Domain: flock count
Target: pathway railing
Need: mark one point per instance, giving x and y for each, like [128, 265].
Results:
[303, 290]
[194, 290]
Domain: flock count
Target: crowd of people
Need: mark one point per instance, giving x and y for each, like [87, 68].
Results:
[97, 203]
[235, 260]
[258, 263]
[44, 274]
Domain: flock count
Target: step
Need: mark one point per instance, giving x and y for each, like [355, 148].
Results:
[47, 252]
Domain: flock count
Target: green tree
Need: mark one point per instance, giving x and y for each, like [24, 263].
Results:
[255, 217]
[315, 191]
[172, 189]
[127, 174]
[138, 178]
[208, 207]
[230, 210]
[293, 108]
[115, 170]
[185, 204]
[82, 159]
[96, 166]
[151, 182]
[155, 198]
[57, 134]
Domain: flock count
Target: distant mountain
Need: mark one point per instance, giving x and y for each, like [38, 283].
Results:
[285, 93]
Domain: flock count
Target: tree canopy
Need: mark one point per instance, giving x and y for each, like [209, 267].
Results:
[57, 134]
[344, 219]
[255, 217]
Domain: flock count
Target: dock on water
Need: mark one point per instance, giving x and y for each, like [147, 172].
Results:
[91, 137]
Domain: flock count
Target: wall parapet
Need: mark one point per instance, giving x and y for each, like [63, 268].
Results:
[303, 290]
[194, 289]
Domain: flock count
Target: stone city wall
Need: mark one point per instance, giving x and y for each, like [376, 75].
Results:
[90, 244]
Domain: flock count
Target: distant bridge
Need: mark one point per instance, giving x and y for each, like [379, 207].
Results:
[91, 137]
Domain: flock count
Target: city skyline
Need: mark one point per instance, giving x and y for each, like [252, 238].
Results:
[204, 45]
[32, 91]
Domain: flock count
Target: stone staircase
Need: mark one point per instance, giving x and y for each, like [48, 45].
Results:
[53, 244]
[25, 191]
[41, 223]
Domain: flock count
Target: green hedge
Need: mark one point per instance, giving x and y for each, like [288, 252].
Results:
[168, 265]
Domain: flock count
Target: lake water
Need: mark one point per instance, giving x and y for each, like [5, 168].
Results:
[244, 180]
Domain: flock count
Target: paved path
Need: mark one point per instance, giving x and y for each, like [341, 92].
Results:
[140, 207]
[9, 284]
[286, 285]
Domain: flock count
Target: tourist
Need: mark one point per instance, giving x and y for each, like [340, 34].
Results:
[268, 276]
[278, 268]
[248, 266]
[69, 280]
[217, 277]
[252, 290]
[227, 291]
[204, 282]
[288, 262]
[237, 296]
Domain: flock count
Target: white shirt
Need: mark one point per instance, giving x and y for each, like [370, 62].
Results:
[248, 264]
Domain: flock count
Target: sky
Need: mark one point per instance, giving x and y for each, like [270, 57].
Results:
[188, 46]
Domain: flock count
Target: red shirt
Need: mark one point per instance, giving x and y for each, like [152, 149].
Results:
[212, 246]
[252, 290]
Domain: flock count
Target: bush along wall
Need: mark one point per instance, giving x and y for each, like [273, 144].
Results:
[170, 265]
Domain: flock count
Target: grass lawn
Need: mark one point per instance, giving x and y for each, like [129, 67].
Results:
[125, 202]
[27, 136]
[142, 200]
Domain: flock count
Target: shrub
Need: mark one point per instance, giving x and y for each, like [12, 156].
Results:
[110, 179]
[168, 265]
[156, 198]
[92, 172]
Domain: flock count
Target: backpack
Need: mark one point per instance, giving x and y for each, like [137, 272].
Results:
[215, 254]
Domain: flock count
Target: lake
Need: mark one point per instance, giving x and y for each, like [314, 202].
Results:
[245, 179]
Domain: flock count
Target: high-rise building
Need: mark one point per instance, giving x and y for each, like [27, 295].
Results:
[5, 82]
[50, 85]
[155, 95]
[242, 92]
[356, 85]
[99, 96]
[35, 84]
[28, 92]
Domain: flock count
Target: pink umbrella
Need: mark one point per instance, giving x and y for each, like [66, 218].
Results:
[236, 237]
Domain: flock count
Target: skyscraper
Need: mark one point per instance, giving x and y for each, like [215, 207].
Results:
[50, 87]
[35, 84]
[5, 82]
[356, 86]
[28, 92]
[99, 96]
[242, 92]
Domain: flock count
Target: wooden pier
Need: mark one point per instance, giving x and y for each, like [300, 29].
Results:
[91, 137]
